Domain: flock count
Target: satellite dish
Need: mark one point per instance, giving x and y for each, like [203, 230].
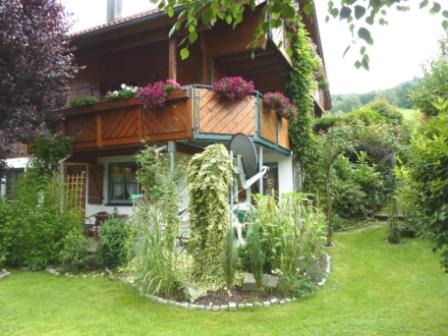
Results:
[242, 145]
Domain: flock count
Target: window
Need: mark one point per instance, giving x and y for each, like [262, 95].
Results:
[122, 182]
[12, 175]
[270, 180]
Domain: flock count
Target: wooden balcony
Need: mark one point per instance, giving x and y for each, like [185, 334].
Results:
[194, 113]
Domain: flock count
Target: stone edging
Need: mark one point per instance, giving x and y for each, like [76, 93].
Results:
[185, 304]
[231, 305]
[4, 273]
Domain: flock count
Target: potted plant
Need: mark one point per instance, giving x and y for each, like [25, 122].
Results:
[277, 101]
[233, 88]
[155, 95]
[125, 92]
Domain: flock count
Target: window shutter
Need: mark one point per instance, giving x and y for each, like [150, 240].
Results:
[95, 184]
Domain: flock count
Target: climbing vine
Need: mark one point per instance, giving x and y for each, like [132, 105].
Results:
[209, 177]
[301, 88]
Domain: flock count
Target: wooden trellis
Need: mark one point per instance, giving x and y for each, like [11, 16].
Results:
[75, 190]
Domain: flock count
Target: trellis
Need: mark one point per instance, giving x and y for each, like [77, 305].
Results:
[75, 190]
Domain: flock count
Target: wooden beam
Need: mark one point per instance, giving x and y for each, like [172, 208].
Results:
[172, 59]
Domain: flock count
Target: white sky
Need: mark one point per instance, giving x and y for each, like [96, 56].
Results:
[399, 51]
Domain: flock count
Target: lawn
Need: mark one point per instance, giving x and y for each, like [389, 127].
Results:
[374, 289]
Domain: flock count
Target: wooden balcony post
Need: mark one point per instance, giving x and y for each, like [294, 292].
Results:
[172, 59]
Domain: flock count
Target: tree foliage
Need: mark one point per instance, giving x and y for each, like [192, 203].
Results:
[434, 84]
[35, 66]
[359, 15]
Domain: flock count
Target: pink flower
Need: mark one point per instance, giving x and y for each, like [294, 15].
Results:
[277, 101]
[155, 95]
[234, 88]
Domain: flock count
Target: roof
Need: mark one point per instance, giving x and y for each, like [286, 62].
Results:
[118, 22]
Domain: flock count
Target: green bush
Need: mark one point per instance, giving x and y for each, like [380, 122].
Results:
[429, 171]
[291, 233]
[229, 259]
[210, 174]
[255, 255]
[74, 255]
[327, 121]
[6, 229]
[48, 151]
[38, 221]
[88, 100]
[156, 262]
[112, 245]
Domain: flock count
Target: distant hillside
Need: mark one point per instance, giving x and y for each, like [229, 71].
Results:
[398, 95]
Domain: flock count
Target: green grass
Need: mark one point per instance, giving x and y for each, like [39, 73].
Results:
[410, 114]
[374, 289]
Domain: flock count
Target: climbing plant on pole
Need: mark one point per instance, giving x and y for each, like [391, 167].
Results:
[209, 177]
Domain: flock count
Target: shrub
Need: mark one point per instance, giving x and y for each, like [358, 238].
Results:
[6, 229]
[157, 262]
[234, 88]
[209, 177]
[40, 221]
[155, 95]
[125, 92]
[112, 246]
[387, 111]
[327, 121]
[255, 254]
[229, 259]
[74, 255]
[82, 101]
[48, 151]
[428, 170]
[291, 236]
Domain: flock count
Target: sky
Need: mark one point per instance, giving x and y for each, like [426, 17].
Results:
[399, 51]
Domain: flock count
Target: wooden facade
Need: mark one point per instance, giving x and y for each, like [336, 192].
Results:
[194, 113]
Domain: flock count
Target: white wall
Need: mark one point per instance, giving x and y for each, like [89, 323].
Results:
[285, 169]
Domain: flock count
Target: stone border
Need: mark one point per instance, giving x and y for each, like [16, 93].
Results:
[185, 304]
[4, 273]
[231, 305]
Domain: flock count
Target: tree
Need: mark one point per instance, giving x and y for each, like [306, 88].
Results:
[434, 84]
[359, 15]
[36, 64]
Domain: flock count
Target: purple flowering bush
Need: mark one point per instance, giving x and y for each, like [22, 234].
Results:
[154, 95]
[234, 88]
[277, 101]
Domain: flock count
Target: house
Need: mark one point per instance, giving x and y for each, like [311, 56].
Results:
[136, 50]
[15, 166]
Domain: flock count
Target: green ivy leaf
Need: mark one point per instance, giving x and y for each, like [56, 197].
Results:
[364, 34]
[359, 12]
[435, 8]
[192, 37]
[345, 12]
[184, 53]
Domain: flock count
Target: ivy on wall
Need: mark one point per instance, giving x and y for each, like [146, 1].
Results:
[301, 88]
[209, 177]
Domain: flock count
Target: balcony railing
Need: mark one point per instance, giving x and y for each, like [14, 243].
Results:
[194, 113]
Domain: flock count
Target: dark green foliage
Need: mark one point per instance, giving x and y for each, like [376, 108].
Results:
[74, 255]
[296, 286]
[393, 224]
[112, 245]
[6, 229]
[84, 101]
[301, 88]
[48, 151]
[37, 222]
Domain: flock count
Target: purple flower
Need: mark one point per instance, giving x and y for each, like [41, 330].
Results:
[155, 95]
[277, 101]
[234, 88]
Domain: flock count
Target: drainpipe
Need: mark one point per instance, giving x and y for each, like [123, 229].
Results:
[113, 9]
